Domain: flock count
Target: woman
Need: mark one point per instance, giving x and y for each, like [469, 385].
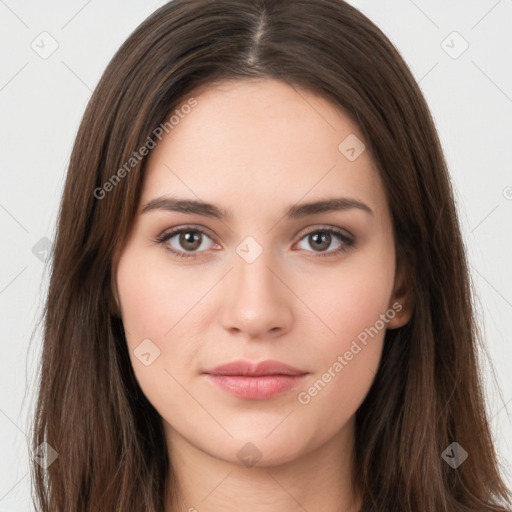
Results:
[260, 298]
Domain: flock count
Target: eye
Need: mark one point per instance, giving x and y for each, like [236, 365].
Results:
[322, 239]
[185, 242]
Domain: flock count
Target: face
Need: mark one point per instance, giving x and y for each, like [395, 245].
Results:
[259, 274]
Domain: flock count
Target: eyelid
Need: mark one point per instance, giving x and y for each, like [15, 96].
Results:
[169, 232]
[324, 227]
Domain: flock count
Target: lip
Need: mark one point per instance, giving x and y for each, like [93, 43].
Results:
[255, 381]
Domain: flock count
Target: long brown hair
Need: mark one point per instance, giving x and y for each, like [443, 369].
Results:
[427, 393]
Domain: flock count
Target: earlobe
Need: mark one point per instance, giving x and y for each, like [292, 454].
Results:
[402, 299]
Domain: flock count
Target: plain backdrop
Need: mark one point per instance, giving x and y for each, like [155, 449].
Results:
[52, 55]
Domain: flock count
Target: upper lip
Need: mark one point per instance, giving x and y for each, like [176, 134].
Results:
[246, 368]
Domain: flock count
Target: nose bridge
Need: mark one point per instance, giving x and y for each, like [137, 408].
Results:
[256, 300]
[253, 277]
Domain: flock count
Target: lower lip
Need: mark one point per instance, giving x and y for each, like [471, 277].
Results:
[255, 388]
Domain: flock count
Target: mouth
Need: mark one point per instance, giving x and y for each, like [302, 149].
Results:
[255, 381]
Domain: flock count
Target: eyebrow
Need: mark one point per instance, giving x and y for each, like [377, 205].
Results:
[293, 212]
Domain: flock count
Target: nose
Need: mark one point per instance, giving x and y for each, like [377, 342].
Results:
[257, 302]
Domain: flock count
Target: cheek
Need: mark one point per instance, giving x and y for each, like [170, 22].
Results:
[149, 309]
[350, 299]
[154, 307]
[153, 300]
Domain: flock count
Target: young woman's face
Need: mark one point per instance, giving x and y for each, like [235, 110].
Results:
[259, 274]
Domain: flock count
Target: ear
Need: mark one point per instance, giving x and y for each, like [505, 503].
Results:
[402, 299]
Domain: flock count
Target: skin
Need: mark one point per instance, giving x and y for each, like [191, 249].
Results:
[255, 148]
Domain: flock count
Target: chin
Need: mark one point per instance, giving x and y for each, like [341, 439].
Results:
[259, 449]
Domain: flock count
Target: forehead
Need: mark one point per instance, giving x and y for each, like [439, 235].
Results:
[261, 140]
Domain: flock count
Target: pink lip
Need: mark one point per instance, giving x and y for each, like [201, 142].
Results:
[255, 381]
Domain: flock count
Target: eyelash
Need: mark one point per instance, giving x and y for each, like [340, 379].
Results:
[347, 242]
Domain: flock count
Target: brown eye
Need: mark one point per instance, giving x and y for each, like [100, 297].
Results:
[186, 242]
[322, 240]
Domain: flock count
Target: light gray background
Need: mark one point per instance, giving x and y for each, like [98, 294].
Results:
[42, 101]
